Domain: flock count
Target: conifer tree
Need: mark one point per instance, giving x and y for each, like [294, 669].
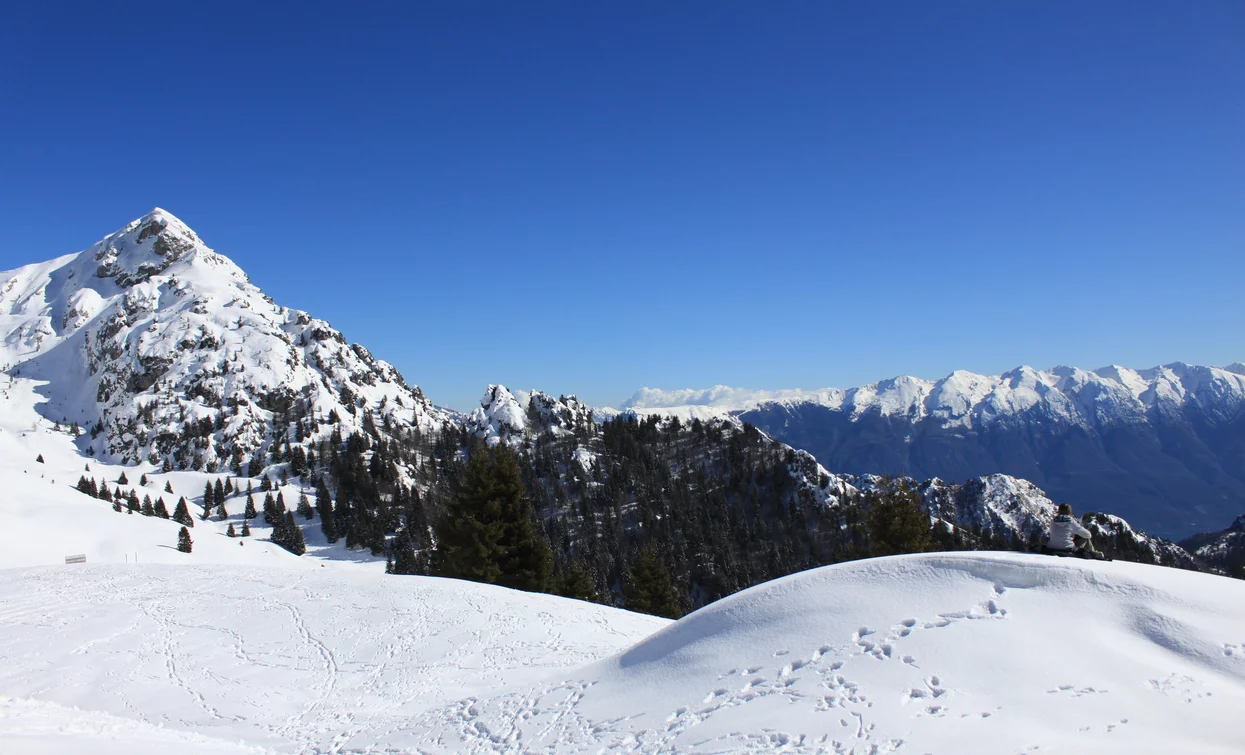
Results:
[271, 515]
[488, 533]
[304, 506]
[577, 583]
[181, 513]
[39, 459]
[123, 480]
[230, 532]
[148, 508]
[895, 519]
[83, 485]
[246, 528]
[209, 500]
[219, 492]
[184, 543]
[324, 505]
[162, 511]
[648, 587]
[250, 512]
[168, 487]
[143, 480]
[287, 534]
[116, 506]
[133, 502]
[105, 493]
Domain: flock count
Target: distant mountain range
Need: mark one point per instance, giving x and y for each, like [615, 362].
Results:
[1163, 447]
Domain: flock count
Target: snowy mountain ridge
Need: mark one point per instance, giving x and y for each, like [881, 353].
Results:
[1073, 396]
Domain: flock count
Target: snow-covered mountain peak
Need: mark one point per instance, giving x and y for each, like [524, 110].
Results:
[505, 416]
[149, 334]
[143, 248]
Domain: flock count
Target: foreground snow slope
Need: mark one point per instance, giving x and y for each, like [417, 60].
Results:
[230, 659]
[939, 653]
[966, 653]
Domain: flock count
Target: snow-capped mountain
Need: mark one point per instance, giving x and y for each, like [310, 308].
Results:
[166, 352]
[1164, 447]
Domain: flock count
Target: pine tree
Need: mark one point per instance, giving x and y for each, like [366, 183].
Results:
[39, 459]
[123, 480]
[304, 506]
[218, 491]
[648, 587]
[105, 493]
[209, 500]
[184, 543]
[181, 513]
[148, 508]
[246, 528]
[143, 480]
[133, 502]
[896, 521]
[168, 487]
[265, 484]
[577, 583]
[84, 486]
[230, 532]
[250, 512]
[324, 505]
[488, 533]
[271, 514]
[162, 511]
[287, 534]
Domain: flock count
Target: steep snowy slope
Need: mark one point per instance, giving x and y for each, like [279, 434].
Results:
[938, 653]
[1163, 447]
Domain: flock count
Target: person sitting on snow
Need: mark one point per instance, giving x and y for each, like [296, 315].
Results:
[1067, 536]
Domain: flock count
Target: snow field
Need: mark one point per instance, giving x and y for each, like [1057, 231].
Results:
[276, 659]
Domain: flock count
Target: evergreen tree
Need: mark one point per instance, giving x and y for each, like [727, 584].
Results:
[116, 506]
[246, 528]
[39, 459]
[181, 513]
[304, 506]
[143, 480]
[123, 480]
[577, 583]
[209, 500]
[287, 534]
[84, 485]
[168, 487]
[230, 532]
[218, 491]
[324, 505]
[896, 521]
[488, 533]
[133, 503]
[250, 512]
[105, 493]
[271, 514]
[148, 508]
[184, 543]
[648, 587]
[162, 511]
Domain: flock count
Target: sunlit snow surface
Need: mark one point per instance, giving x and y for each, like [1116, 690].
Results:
[939, 653]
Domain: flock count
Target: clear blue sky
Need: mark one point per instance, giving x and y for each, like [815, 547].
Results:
[588, 197]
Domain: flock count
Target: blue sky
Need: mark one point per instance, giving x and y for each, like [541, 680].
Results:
[591, 197]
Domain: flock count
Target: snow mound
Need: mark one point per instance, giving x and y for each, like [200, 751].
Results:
[941, 653]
